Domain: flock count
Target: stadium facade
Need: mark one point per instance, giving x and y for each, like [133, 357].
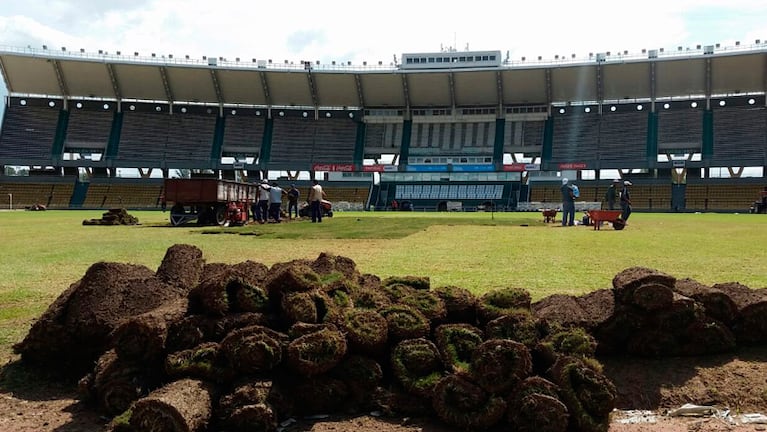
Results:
[440, 128]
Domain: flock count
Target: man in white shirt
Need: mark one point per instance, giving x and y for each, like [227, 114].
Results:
[262, 205]
[316, 194]
[275, 201]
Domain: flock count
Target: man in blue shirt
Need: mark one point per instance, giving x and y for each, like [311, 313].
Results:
[568, 204]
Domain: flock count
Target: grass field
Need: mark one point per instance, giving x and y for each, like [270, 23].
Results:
[42, 253]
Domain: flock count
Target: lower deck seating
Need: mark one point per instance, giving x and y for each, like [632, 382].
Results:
[725, 197]
[21, 195]
[357, 195]
[123, 195]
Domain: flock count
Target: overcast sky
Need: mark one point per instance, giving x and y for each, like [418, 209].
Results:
[371, 30]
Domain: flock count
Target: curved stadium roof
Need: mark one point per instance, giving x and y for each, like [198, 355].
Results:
[651, 76]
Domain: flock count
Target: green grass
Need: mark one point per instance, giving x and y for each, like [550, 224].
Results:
[42, 253]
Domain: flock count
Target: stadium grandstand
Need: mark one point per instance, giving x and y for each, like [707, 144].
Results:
[441, 131]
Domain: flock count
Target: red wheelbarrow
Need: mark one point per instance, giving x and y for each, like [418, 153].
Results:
[613, 216]
[549, 215]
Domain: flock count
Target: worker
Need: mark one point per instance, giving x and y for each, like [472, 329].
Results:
[262, 205]
[612, 194]
[275, 201]
[293, 195]
[568, 204]
[316, 195]
[626, 201]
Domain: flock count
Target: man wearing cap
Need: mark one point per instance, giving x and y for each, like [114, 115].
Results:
[626, 201]
[612, 194]
[262, 206]
[568, 204]
[293, 195]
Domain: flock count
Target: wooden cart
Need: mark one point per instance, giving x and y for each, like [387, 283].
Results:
[209, 201]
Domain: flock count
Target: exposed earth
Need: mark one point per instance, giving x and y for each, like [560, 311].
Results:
[737, 382]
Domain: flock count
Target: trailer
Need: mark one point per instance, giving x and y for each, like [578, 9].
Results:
[208, 201]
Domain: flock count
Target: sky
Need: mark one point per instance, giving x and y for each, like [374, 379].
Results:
[373, 31]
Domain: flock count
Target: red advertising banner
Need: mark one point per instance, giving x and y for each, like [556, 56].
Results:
[521, 167]
[333, 167]
[572, 166]
[379, 168]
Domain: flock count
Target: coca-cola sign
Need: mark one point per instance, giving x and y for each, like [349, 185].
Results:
[333, 167]
[572, 166]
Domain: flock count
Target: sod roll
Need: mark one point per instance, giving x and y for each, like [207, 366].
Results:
[181, 266]
[316, 353]
[185, 405]
[417, 366]
[497, 303]
[143, 337]
[499, 364]
[462, 403]
[534, 406]
[456, 344]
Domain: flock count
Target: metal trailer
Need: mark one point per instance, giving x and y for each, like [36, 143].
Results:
[208, 201]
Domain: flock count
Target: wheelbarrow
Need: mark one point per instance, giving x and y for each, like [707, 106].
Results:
[612, 216]
[549, 215]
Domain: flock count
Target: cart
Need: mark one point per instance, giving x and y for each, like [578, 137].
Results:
[208, 201]
[613, 216]
[549, 215]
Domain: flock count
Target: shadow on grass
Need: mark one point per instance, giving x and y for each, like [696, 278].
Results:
[364, 227]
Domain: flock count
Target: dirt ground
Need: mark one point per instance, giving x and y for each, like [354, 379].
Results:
[648, 390]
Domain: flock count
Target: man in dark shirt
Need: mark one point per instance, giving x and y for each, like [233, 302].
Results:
[293, 195]
[612, 194]
[626, 201]
[568, 204]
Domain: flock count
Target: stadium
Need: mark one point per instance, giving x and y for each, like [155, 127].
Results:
[449, 133]
[471, 129]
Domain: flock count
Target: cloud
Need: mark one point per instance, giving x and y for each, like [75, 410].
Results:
[304, 40]
[346, 31]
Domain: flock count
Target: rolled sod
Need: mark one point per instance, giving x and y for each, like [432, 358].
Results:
[499, 364]
[456, 344]
[316, 353]
[462, 403]
[417, 366]
[185, 405]
[497, 303]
